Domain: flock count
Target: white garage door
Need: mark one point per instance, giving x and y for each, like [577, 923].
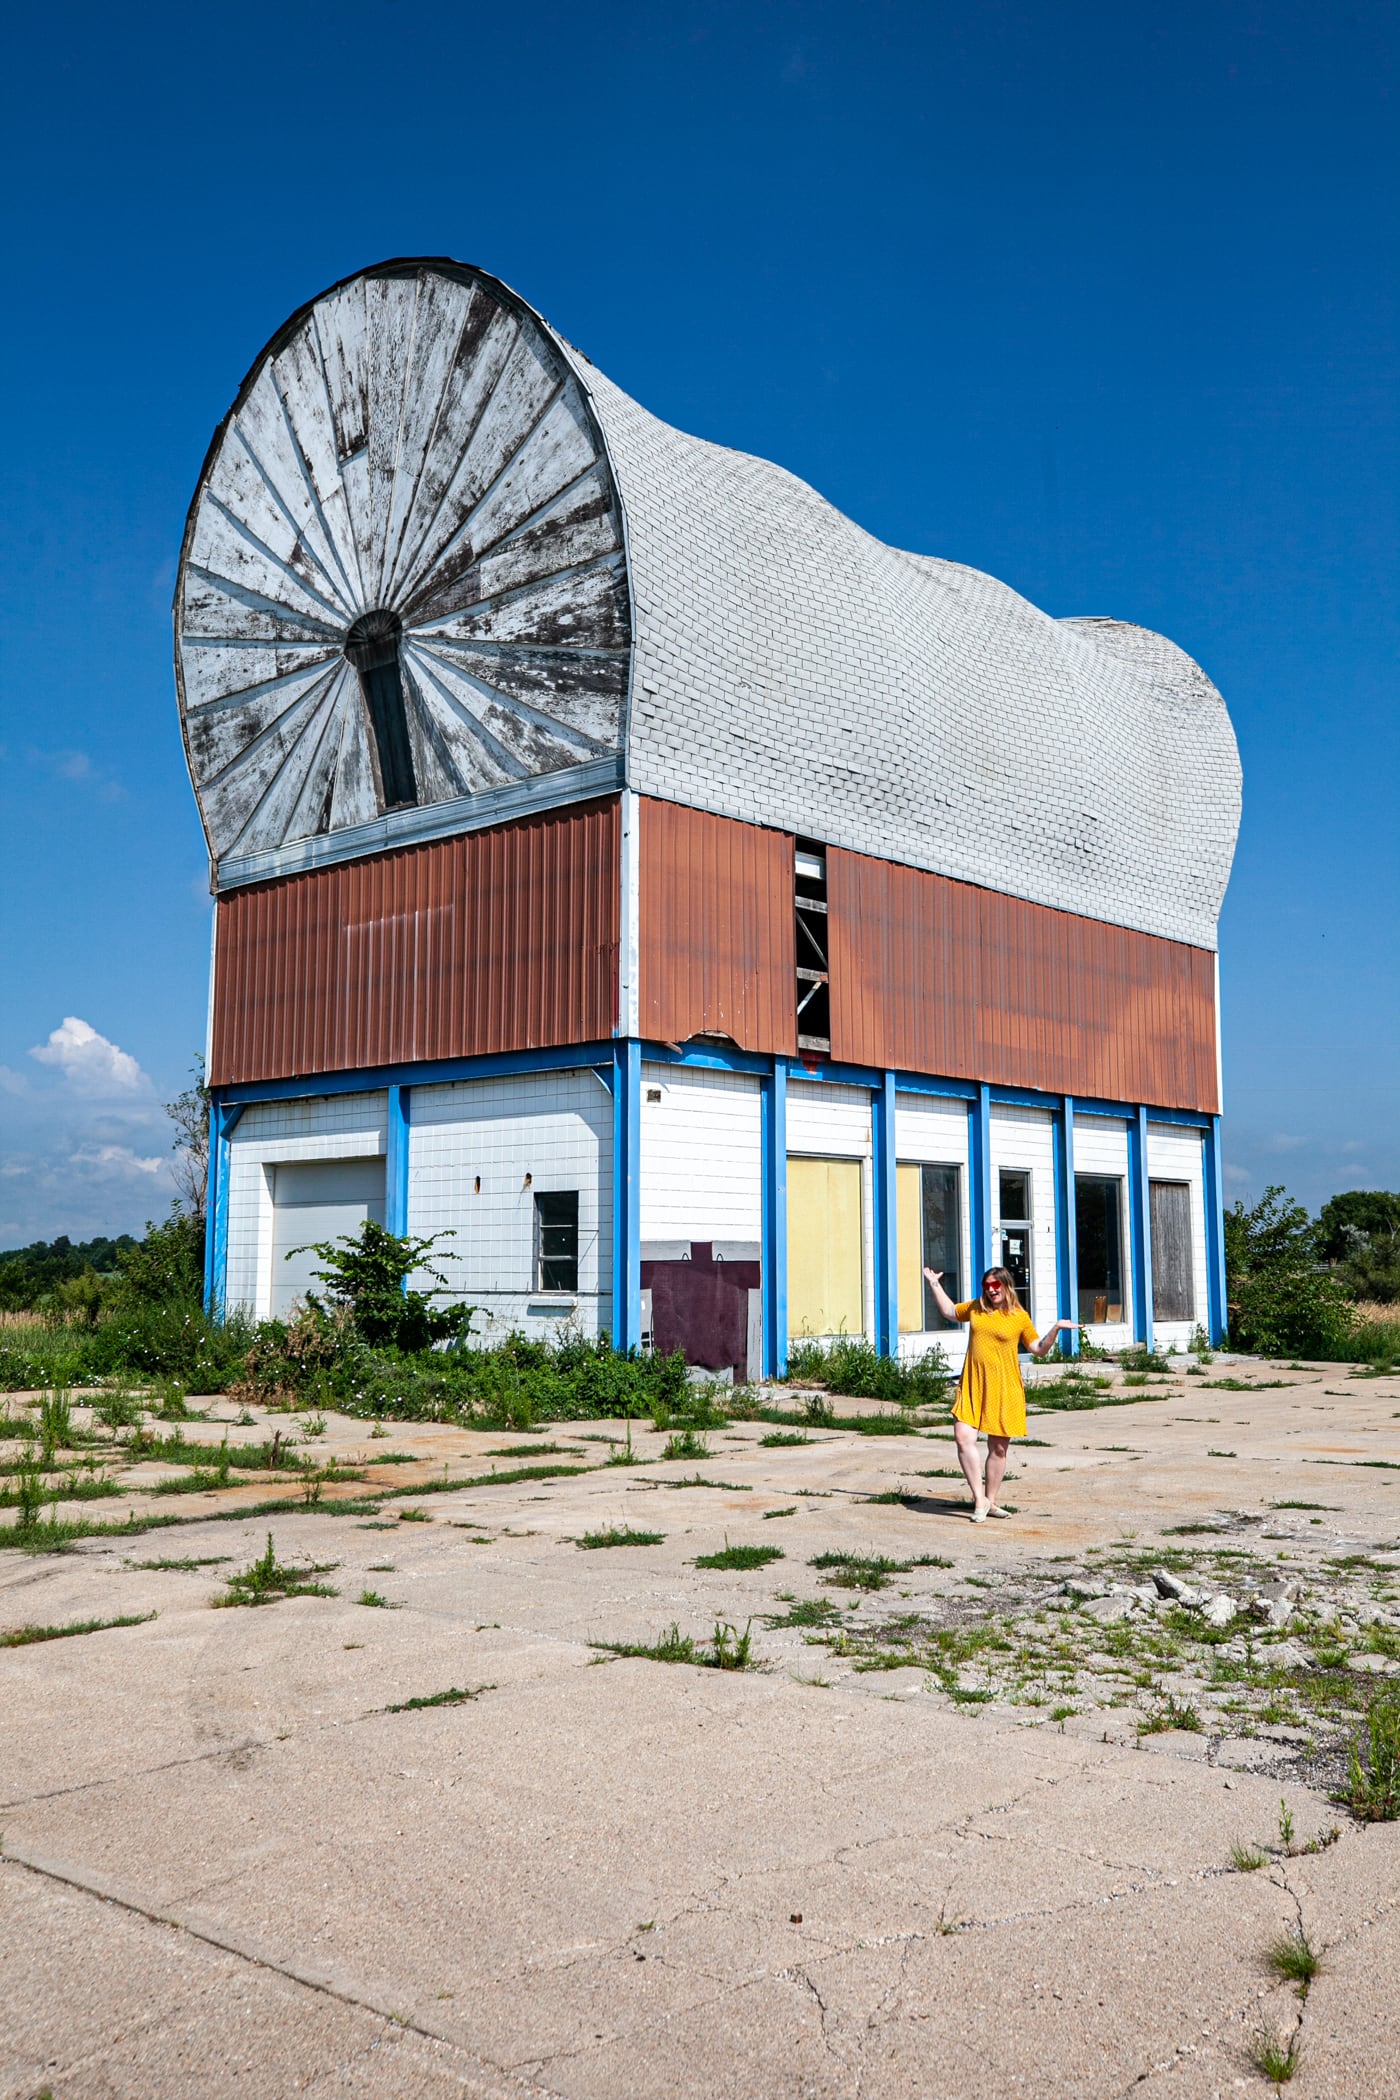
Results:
[320, 1199]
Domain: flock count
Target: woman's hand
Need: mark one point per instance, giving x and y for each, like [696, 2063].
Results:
[934, 1279]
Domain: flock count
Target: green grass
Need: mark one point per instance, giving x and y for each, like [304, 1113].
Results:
[727, 1649]
[455, 1695]
[1274, 2057]
[266, 1581]
[685, 1444]
[618, 1535]
[375, 1598]
[779, 1513]
[184, 1567]
[1247, 1859]
[870, 1571]
[1243, 1385]
[1373, 1775]
[1293, 1959]
[735, 1557]
[808, 1611]
[23, 1636]
[1171, 1713]
[781, 1438]
[1291, 1504]
[513, 1451]
[1180, 1531]
[698, 1480]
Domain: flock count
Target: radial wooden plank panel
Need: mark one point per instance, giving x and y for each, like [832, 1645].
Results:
[411, 445]
[936, 976]
[505, 939]
[716, 930]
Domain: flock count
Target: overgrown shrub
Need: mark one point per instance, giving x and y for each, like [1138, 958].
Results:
[852, 1366]
[1282, 1301]
[366, 1279]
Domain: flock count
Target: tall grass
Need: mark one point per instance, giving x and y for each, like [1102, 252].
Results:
[853, 1367]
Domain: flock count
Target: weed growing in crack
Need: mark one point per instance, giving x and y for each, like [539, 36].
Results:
[1247, 1859]
[376, 1598]
[686, 1444]
[781, 1438]
[735, 1557]
[808, 1611]
[267, 1581]
[870, 1571]
[24, 1636]
[455, 1695]
[1373, 1767]
[1277, 2057]
[727, 1649]
[1293, 1959]
[185, 1567]
[618, 1535]
[1171, 1713]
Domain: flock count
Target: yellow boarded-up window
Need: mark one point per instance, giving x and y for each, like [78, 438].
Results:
[909, 1197]
[825, 1250]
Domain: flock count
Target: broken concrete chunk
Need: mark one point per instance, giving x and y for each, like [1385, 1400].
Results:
[1169, 1585]
[1083, 1587]
[1373, 1665]
[1272, 1610]
[1219, 1611]
[1106, 1610]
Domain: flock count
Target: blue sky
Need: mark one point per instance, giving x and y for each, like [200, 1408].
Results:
[1100, 299]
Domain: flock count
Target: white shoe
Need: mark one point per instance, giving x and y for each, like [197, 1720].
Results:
[980, 1512]
[994, 1509]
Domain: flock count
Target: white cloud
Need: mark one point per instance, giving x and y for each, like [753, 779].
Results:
[114, 1159]
[88, 1061]
[77, 768]
[12, 1082]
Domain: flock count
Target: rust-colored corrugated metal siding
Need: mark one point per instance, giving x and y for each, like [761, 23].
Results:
[931, 975]
[716, 929]
[498, 940]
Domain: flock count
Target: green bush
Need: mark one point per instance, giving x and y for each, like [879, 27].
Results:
[1282, 1302]
[852, 1366]
[366, 1279]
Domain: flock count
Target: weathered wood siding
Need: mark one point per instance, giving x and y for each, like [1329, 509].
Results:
[413, 443]
[504, 939]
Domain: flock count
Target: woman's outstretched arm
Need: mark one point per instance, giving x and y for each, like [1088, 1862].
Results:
[941, 1299]
[1043, 1347]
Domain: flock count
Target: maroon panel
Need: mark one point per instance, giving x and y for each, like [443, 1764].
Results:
[716, 934]
[932, 975]
[496, 940]
[701, 1307]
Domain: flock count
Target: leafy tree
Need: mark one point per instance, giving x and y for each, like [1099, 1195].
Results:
[1281, 1300]
[167, 1267]
[189, 1112]
[366, 1278]
[1360, 1231]
[1354, 1216]
[29, 1274]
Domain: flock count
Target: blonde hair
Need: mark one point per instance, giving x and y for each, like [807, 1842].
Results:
[1010, 1301]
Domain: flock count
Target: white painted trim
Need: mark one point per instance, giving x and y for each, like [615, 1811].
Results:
[629, 942]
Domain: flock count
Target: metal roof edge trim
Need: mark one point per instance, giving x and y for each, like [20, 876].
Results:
[435, 820]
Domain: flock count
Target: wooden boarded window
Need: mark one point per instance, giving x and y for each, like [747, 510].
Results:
[930, 1235]
[1173, 1289]
[826, 1267]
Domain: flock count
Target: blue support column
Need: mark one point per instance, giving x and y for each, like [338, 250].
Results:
[886, 1208]
[773, 1275]
[1066, 1235]
[396, 1163]
[1217, 1310]
[627, 1184]
[1140, 1213]
[221, 1125]
[979, 1154]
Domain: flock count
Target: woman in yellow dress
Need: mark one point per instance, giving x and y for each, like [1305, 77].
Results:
[991, 1397]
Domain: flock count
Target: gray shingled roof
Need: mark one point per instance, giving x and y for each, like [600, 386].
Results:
[587, 598]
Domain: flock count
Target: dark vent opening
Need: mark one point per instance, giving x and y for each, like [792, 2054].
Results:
[813, 951]
[372, 646]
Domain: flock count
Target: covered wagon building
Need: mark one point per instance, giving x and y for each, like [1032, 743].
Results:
[704, 912]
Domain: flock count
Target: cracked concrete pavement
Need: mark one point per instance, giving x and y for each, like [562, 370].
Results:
[227, 1869]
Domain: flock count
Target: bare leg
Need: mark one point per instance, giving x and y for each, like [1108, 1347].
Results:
[970, 1459]
[997, 1449]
